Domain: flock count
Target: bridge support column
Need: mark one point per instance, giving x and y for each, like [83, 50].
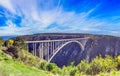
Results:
[33, 48]
[48, 50]
[51, 50]
[42, 50]
[39, 50]
[53, 47]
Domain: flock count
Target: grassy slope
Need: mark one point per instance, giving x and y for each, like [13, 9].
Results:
[8, 67]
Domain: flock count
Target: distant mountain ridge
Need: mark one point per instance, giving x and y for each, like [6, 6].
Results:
[96, 45]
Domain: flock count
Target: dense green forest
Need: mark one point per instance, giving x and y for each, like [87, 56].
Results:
[15, 60]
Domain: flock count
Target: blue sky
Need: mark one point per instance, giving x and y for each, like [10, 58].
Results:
[21, 17]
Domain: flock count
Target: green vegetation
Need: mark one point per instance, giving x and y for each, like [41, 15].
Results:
[99, 66]
[8, 67]
[15, 60]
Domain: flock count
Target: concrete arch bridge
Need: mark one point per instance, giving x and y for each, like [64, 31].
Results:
[47, 49]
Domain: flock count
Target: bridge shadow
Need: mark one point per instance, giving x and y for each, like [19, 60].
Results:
[70, 53]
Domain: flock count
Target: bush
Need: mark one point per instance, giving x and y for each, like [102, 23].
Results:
[118, 59]
[99, 64]
[19, 42]
[65, 71]
[50, 66]
[70, 70]
[10, 42]
[1, 43]
[28, 58]
[42, 65]
[73, 71]
[118, 62]
[56, 70]
[84, 67]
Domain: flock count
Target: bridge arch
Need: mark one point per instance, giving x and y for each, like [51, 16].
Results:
[58, 49]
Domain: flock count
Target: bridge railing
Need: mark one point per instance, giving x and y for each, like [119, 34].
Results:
[55, 40]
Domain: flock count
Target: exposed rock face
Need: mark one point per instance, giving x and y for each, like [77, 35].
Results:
[96, 45]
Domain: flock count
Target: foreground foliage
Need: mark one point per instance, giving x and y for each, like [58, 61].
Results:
[8, 67]
[24, 62]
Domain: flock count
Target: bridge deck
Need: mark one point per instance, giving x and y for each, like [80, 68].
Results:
[55, 40]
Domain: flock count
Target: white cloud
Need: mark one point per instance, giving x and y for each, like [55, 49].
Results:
[7, 4]
[36, 20]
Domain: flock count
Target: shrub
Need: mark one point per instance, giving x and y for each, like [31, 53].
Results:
[118, 62]
[1, 41]
[118, 59]
[70, 70]
[56, 70]
[73, 71]
[50, 66]
[103, 65]
[28, 58]
[98, 65]
[19, 42]
[95, 66]
[83, 67]
[42, 66]
[65, 71]
[10, 42]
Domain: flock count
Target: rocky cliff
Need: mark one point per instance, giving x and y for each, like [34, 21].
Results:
[96, 45]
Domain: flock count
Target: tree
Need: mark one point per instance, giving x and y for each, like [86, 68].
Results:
[19, 42]
[10, 42]
[1, 43]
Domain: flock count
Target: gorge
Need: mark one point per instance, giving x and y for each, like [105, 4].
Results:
[96, 45]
